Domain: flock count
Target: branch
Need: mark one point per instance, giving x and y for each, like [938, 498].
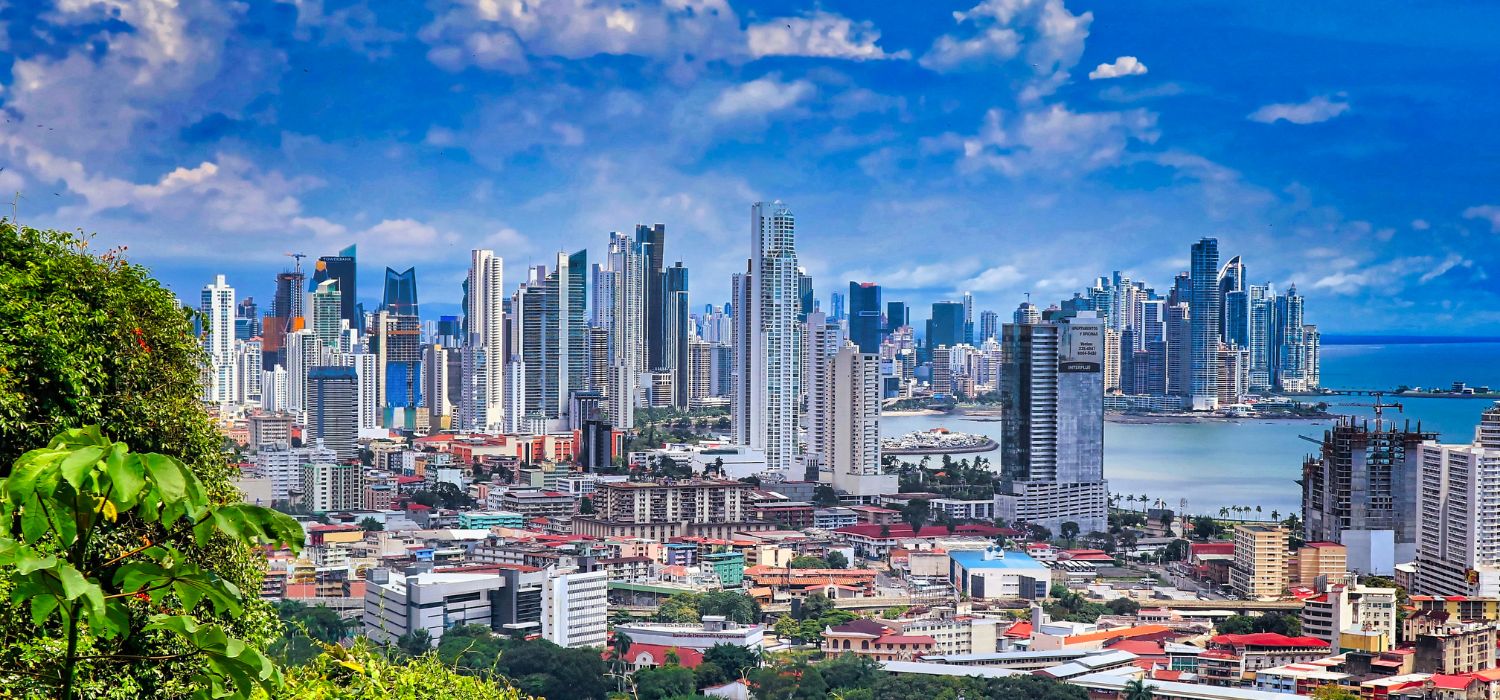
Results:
[132, 657]
[130, 553]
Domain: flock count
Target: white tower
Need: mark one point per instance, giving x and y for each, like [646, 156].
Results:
[217, 311]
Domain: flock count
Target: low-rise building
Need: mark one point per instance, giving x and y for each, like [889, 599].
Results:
[484, 519]
[1348, 607]
[537, 503]
[877, 641]
[997, 573]
[1233, 659]
[711, 630]
[834, 518]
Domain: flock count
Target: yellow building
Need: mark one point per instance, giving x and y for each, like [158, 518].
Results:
[1260, 561]
[1316, 559]
[1467, 608]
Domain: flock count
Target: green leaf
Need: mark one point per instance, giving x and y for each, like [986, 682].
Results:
[167, 474]
[41, 608]
[127, 475]
[116, 622]
[136, 575]
[34, 524]
[77, 465]
[87, 435]
[32, 561]
[22, 481]
[73, 582]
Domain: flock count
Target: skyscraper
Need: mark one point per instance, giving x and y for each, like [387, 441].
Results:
[327, 321]
[675, 340]
[1052, 458]
[897, 315]
[851, 448]
[551, 337]
[333, 409]
[1204, 322]
[216, 309]
[1290, 356]
[1458, 530]
[1233, 313]
[626, 277]
[342, 268]
[766, 306]
[968, 334]
[482, 406]
[946, 327]
[653, 242]
[1360, 490]
[864, 316]
[836, 306]
[400, 292]
[989, 326]
[822, 334]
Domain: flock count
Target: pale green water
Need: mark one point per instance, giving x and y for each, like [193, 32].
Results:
[1251, 463]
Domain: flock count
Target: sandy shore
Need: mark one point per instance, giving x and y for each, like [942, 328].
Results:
[912, 412]
[1146, 419]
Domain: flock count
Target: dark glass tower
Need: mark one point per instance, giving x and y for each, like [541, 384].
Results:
[896, 316]
[400, 292]
[946, 326]
[864, 316]
[340, 267]
[653, 240]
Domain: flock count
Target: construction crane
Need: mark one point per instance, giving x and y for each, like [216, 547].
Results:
[1379, 407]
[298, 257]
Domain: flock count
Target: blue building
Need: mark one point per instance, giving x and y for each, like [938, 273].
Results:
[864, 316]
[998, 574]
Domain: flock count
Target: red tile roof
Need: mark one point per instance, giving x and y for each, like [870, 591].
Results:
[1019, 630]
[656, 655]
[903, 530]
[1458, 682]
[1267, 639]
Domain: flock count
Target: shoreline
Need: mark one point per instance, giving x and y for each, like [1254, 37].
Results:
[1169, 418]
[990, 446]
[907, 412]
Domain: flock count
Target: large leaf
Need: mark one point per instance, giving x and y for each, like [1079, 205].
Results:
[77, 465]
[127, 477]
[167, 474]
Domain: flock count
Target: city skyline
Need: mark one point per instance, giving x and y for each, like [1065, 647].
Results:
[890, 119]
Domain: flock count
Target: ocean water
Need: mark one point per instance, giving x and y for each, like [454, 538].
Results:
[1256, 463]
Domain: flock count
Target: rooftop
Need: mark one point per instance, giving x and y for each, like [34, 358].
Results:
[975, 559]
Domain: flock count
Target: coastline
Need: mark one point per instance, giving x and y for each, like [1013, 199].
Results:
[989, 446]
[912, 412]
[1167, 418]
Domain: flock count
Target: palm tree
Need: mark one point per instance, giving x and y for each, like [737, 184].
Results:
[620, 645]
[1257, 512]
[1142, 499]
[1275, 516]
[1223, 512]
[1130, 498]
[1138, 690]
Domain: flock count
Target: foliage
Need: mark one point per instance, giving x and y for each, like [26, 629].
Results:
[94, 340]
[806, 562]
[1333, 692]
[732, 658]
[816, 605]
[1206, 528]
[1176, 550]
[415, 643]
[913, 687]
[67, 504]
[304, 629]
[470, 649]
[1289, 625]
[824, 496]
[359, 673]
[954, 479]
[1138, 690]
[586, 506]
[369, 524]
[664, 682]
[546, 670]
[443, 494]
[916, 513]
[1123, 606]
[836, 560]
[690, 607]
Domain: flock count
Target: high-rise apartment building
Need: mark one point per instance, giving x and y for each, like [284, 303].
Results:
[328, 487]
[1204, 307]
[1260, 558]
[217, 309]
[851, 445]
[946, 327]
[626, 277]
[333, 409]
[575, 609]
[989, 327]
[283, 464]
[342, 269]
[677, 331]
[327, 318]
[767, 305]
[653, 242]
[397, 343]
[823, 340]
[482, 404]
[1052, 459]
[1458, 527]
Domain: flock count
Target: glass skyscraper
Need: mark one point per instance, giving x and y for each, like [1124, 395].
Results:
[1203, 319]
[864, 316]
[400, 292]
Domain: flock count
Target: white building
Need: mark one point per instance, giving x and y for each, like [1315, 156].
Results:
[217, 312]
[712, 630]
[852, 450]
[625, 276]
[575, 609]
[328, 487]
[768, 380]
[396, 605]
[248, 357]
[283, 465]
[482, 396]
[1458, 537]
[1350, 608]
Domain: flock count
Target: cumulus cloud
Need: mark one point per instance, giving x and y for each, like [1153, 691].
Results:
[760, 97]
[1485, 212]
[502, 34]
[1043, 33]
[1318, 109]
[995, 279]
[943, 274]
[821, 34]
[1420, 225]
[1122, 67]
[1054, 139]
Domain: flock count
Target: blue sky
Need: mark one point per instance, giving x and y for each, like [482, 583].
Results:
[1001, 147]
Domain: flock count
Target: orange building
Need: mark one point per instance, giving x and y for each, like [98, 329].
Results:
[872, 639]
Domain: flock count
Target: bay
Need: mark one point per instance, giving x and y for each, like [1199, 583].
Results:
[1218, 464]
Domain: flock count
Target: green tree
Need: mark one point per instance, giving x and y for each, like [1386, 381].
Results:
[824, 496]
[544, 669]
[806, 562]
[67, 505]
[470, 649]
[369, 524]
[1205, 528]
[837, 560]
[849, 671]
[916, 513]
[1138, 690]
[680, 608]
[359, 672]
[586, 506]
[665, 682]
[91, 339]
[1176, 550]
[815, 606]
[785, 627]
[415, 643]
[734, 606]
[1070, 530]
[733, 658]
[1330, 691]
[1123, 606]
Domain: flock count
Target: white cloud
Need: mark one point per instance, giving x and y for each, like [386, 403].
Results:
[1055, 139]
[760, 97]
[994, 279]
[1344, 282]
[821, 34]
[1454, 260]
[1042, 33]
[1317, 109]
[1123, 66]
[1420, 225]
[921, 276]
[501, 34]
[1485, 212]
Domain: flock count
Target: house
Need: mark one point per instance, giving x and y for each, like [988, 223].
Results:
[641, 656]
[1232, 659]
[872, 639]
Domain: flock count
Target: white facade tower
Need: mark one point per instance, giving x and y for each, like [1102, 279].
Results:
[768, 391]
[217, 310]
[482, 396]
